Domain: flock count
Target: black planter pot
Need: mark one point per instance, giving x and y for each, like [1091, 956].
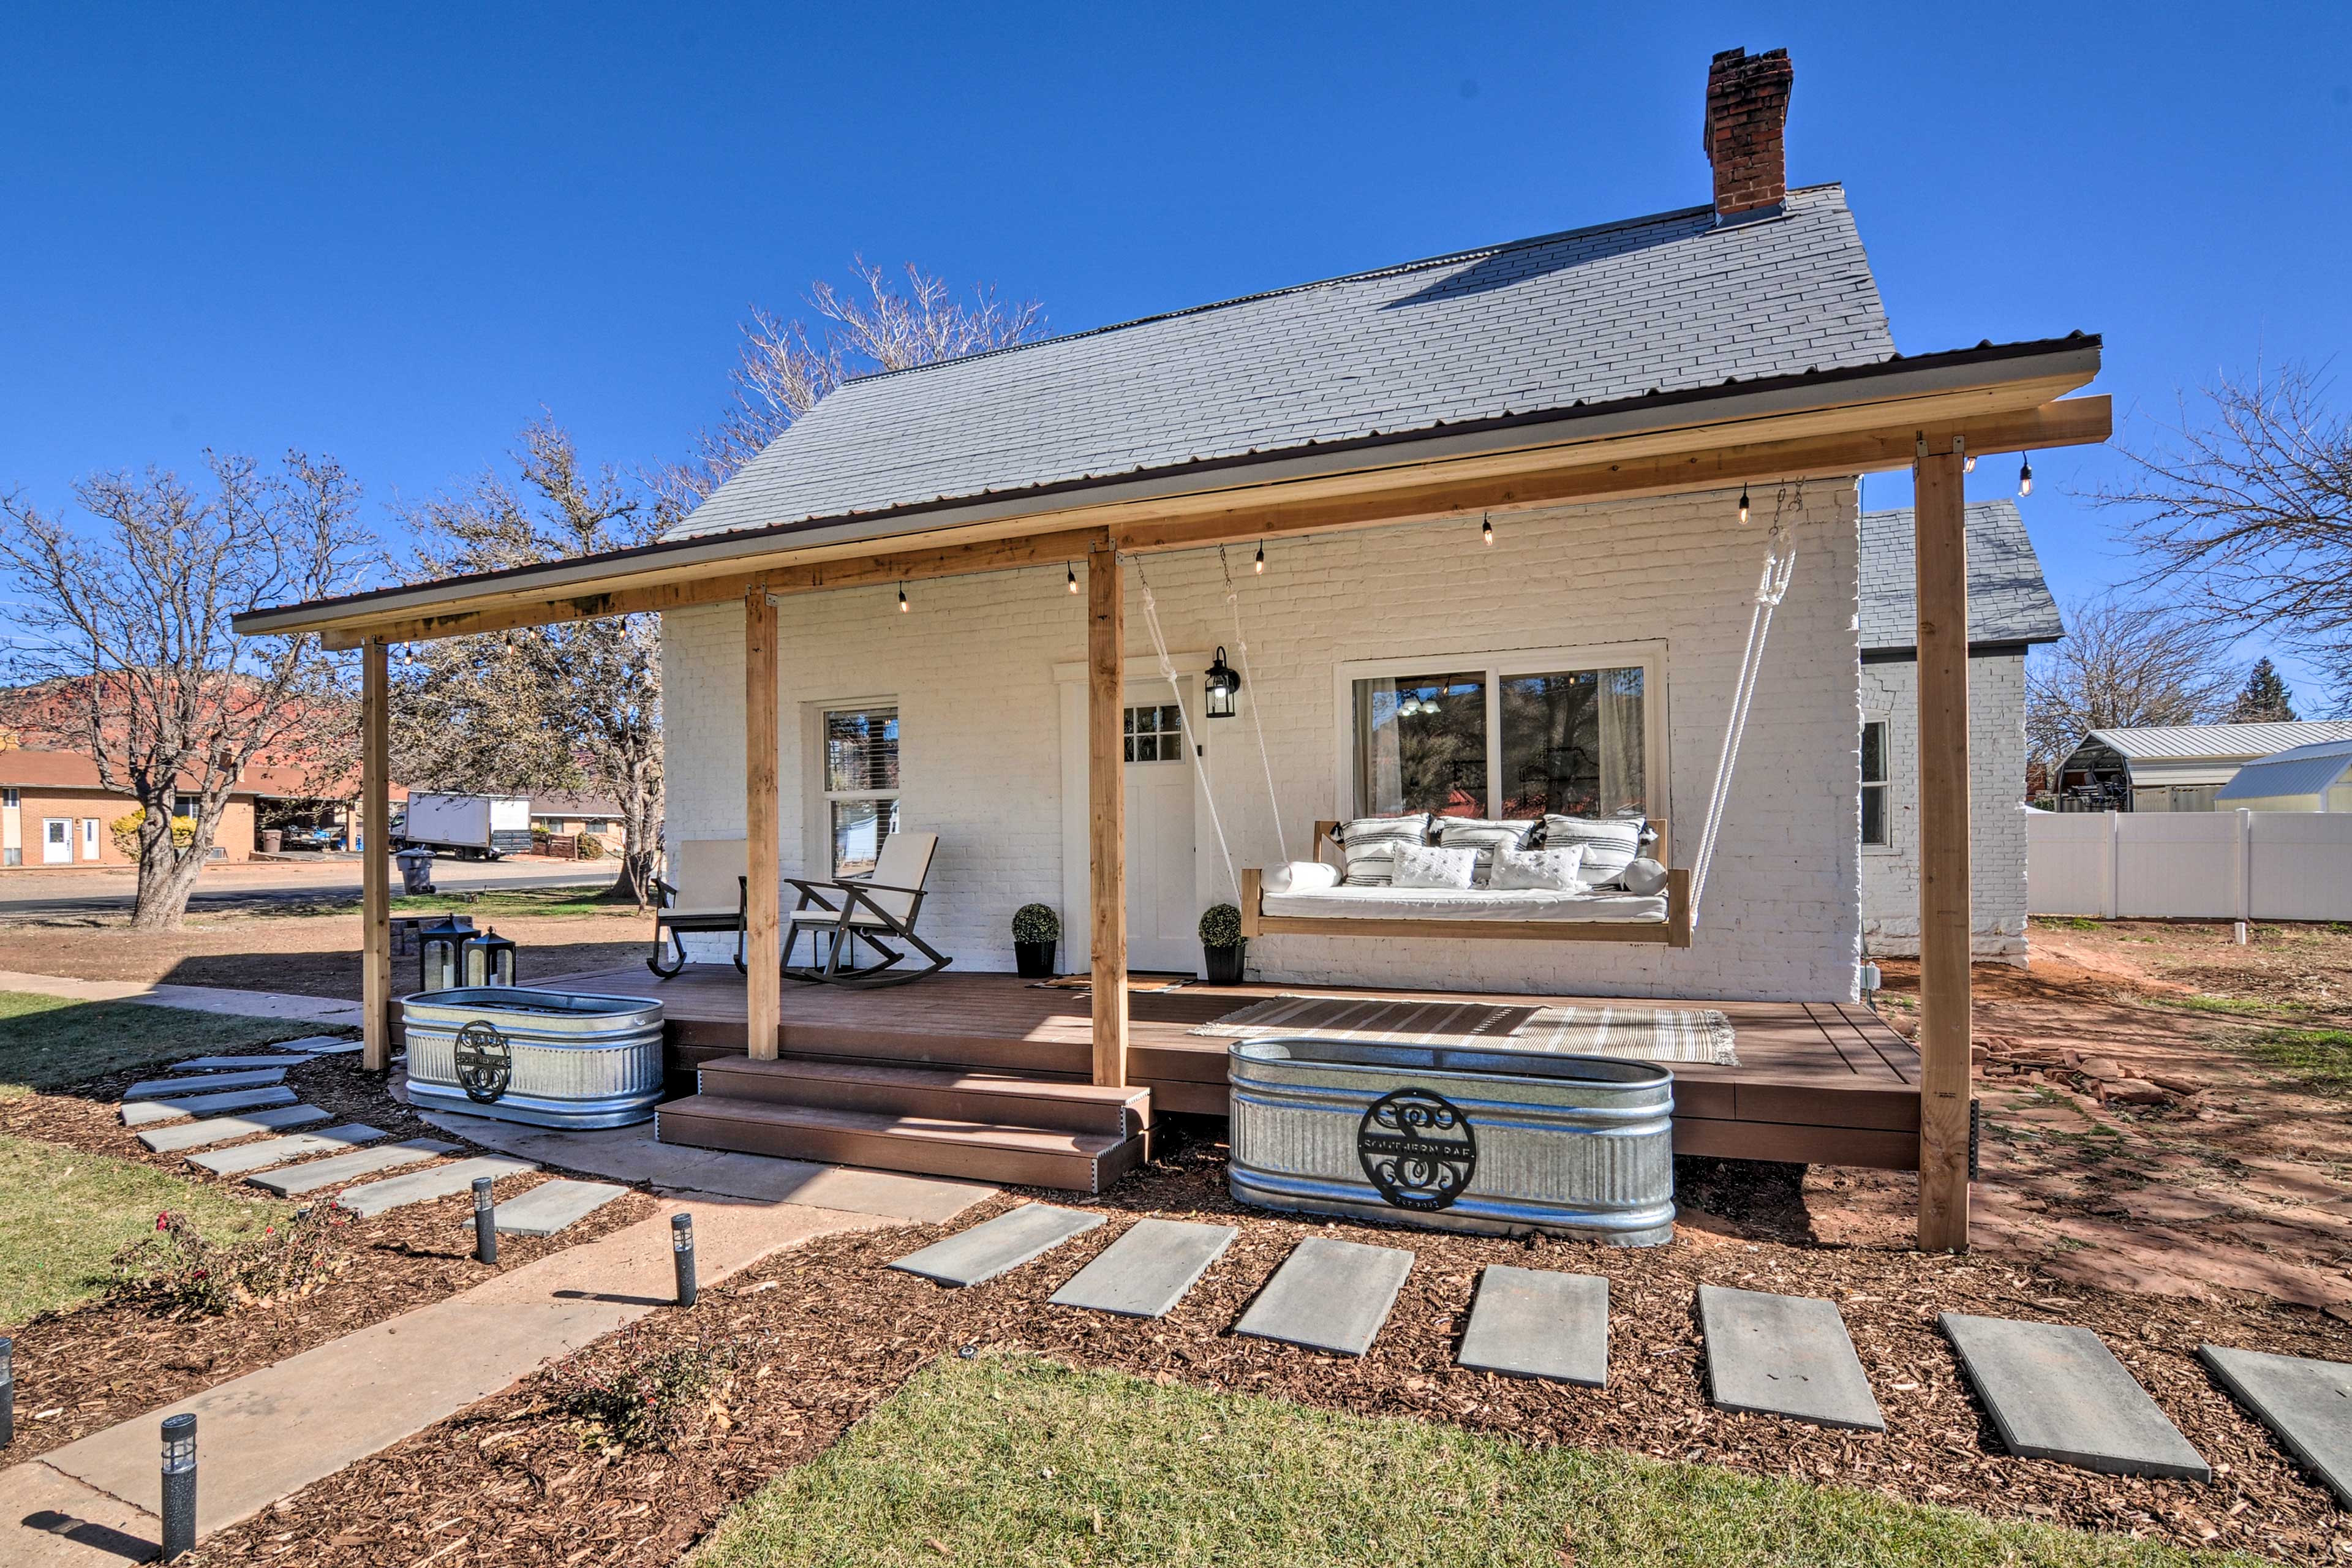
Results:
[1224, 963]
[1034, 960]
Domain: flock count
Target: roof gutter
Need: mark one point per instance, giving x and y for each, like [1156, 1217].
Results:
[1891, 381]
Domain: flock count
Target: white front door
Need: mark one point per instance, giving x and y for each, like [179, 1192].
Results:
[57, 841]
[89, 838]
[1162, 896]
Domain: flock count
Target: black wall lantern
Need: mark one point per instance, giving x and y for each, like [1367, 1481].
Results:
[1218, 688]
[489, 960]
[437, 965]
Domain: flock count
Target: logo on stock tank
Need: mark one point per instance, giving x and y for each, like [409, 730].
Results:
[1417, 1148]
[485, 1062]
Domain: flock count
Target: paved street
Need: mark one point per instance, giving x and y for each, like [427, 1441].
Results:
[35, 894]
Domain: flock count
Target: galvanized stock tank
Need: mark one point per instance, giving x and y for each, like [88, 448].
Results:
[551, 1058]
[1497, 1142]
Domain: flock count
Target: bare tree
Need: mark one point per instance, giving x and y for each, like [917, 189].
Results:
[782, 370]
[2245, 511]
[557, 707]
[125, 639]
[2123, 665]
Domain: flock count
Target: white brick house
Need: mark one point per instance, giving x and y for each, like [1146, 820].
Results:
[2010, 610]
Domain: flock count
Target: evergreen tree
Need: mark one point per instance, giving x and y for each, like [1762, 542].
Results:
[2265, 699]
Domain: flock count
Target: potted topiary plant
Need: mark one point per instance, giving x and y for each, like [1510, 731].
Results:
[1222, 944]
[1035, 930]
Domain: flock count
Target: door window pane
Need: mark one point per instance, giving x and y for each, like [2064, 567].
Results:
[1155, 734]
[1574, 743]
[1421, 744]
[858, 828]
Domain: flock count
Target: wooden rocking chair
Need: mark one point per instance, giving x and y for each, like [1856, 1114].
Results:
[841, 915]
[697, 900]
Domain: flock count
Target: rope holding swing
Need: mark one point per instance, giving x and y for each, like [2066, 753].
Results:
[1184, 721]
[1265, 760]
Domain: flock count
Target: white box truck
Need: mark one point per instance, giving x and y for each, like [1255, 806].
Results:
[469, 826]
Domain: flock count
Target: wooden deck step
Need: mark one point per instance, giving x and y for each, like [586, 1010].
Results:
[945, 1094]
[935, 1146]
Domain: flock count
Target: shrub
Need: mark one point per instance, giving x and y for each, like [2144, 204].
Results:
[175, 1272]
[637, 1392]
[1036, 923]
[124, 831]
[1221, 926]
[591, 848]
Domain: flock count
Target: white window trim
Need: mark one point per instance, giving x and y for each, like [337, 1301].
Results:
[1497, 665]
[816, 819]
[1893, 846]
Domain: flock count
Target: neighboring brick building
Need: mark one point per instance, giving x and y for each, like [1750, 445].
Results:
[55, 812]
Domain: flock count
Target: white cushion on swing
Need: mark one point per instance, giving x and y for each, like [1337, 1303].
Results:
[1353, 901]
[1301, 876]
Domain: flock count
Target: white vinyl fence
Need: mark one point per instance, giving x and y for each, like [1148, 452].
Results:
[2221, 865]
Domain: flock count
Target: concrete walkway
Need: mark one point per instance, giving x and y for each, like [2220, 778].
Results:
[195, 998]
[268, 1433]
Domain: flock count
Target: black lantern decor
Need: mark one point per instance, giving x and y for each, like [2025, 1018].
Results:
[437, 965]
[1220, 687]
[489, 960]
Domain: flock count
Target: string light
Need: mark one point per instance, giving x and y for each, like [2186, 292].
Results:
[1074, 577]
[1968, 464]
[903, 607]
[1259, 565]
[1743, 503]
[1487, 530]
[2025, 477]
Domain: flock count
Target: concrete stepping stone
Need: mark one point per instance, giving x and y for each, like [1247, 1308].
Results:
[1145, 1272]
[1537, 1323]
[2056, 1392]
[178, 1137]
[148, 1112]
[549, 1206]
[319, 1045]
[164, 1087]
[1328, 1295]
[422, 1186]
[292, 1181]
[229, 1064]
[2307, 1403]
[999, 1245]
[1784, 1356]
[239, 1158]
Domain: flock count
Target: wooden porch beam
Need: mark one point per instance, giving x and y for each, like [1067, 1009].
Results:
[1106, 793]
[763, 831]
[1945, 917]
[375, 865]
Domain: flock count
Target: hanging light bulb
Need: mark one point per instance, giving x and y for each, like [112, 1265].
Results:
[1074, 577]
[2025, 477]
[1968, 464]
[1259, 565]
[903, 605]
[1487, 530]
[1743, 503]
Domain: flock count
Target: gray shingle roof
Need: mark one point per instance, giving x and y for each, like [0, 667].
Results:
[1671, 303]
[2008, 600]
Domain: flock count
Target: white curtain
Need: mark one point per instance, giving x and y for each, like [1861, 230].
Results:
[1623, 780]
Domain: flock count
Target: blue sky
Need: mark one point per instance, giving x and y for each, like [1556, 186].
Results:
[393, 237]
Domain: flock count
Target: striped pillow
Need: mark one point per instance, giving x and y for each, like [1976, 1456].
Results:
[1370, 845]
[1609, 843]
[1474, 833]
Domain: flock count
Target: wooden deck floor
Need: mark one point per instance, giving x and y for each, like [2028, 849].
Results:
[1821, 1082]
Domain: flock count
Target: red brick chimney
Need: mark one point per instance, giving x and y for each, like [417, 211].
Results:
[1747, 111]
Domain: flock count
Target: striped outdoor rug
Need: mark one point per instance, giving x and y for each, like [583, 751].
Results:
[1376, 1020]
[1639, 1034]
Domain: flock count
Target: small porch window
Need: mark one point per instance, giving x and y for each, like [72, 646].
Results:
[1155, 733]
[861, 785]
[1877, 830]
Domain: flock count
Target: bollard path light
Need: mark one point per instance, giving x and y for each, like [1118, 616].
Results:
[7, 1391]
[178, 1485]
[681, 1248]
[485, 1221]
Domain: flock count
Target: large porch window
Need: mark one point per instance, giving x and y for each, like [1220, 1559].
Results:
[1516, 735]
[861, 785]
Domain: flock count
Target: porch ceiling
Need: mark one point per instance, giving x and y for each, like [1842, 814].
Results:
[1992, 399]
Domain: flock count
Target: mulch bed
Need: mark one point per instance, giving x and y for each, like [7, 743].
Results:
[825, 1333]
[82, 1371]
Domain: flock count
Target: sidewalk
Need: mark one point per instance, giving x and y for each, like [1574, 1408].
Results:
[195, 998]
[270, 1433]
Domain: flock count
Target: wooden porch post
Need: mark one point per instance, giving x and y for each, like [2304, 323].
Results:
[376, 866]
[762, 947]
[1107, 787]
[1944, 912]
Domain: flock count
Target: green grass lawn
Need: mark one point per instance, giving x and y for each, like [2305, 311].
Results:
[48, 1042]
[63, 1213]
[510, 902]
[2320, 1058]
[1015, 1460]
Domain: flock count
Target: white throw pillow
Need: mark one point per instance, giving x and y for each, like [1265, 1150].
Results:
[1544, 870]
[1609, 843]
[1427, 866]
[1369, 844]
[1302, 877]
[1485, 837]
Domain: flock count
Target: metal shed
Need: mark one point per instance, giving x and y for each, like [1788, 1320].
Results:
[2179, 767]
[2301, 778]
